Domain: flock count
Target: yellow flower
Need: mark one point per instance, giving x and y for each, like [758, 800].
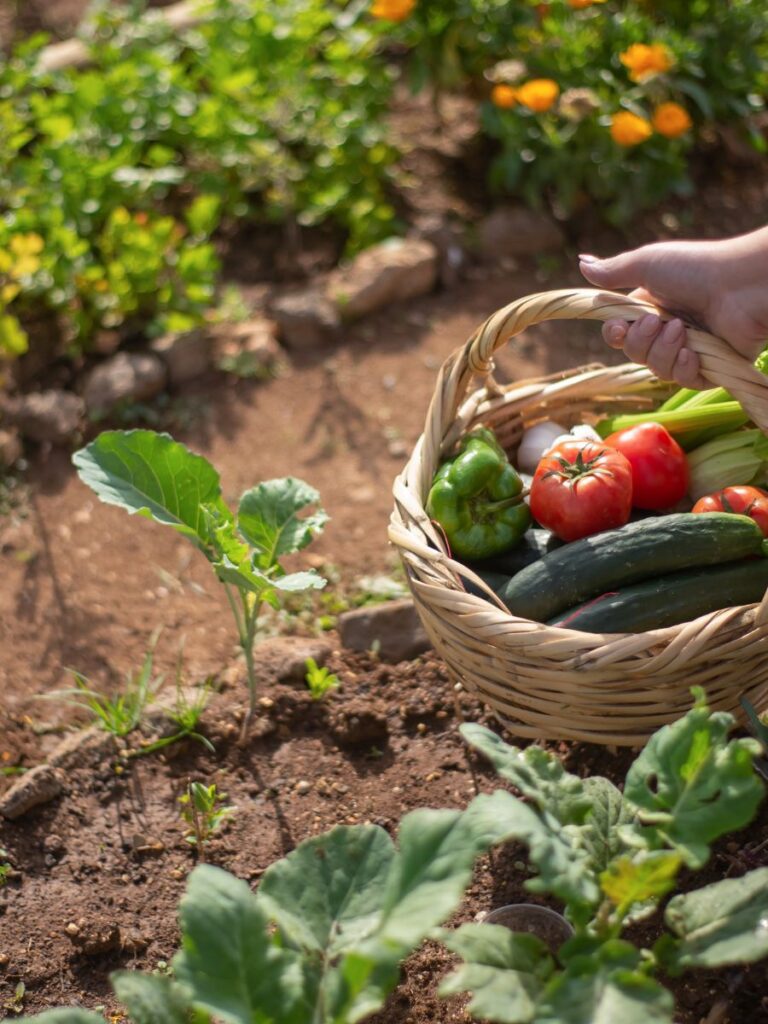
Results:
[392, 10]
[504, 96]
[539, 94]
[671, 120]
[643, 61]
[579, 5]
[629, 129]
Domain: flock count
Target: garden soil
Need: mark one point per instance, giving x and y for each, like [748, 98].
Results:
[99, 870]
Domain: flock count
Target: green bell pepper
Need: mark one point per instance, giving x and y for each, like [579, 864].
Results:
[476, 497]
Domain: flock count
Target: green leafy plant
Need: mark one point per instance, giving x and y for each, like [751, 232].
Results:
[203, 809]
[319, 679]
[759, 729]
[610, 857]
[156, 477]
[322, 938]
[5, 867]
[122, 713]
[185, 714]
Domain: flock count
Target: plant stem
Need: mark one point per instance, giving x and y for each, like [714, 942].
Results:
[248, 636]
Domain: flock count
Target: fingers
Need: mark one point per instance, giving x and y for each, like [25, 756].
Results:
[660, 346]
[627, 270]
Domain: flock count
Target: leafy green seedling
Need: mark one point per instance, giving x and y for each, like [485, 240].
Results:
[154, 476]
[204, 811]
[185, 713]
[120, 714]
[5, 867]
[610, 857]
[319, 679]
[759, 730]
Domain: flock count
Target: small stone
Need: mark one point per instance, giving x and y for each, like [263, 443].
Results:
[397, 449]
[421, 728]
[52, 416]
[393, 271]
[307, 319]
[266, 702]
[393, 626]
[302, 787]
[53, 844]
[72, 929]
[92, 938]
[186, 355]
[11, 448]
[38, 786]
[284, 659]
[517, 231]
[127, 376]
[250, 349]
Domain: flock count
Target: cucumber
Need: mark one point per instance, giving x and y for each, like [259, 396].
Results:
[671, 599]
[638, 551]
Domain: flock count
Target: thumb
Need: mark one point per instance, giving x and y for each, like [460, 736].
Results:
[627, 270]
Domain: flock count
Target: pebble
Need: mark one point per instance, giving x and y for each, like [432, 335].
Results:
[303, 787]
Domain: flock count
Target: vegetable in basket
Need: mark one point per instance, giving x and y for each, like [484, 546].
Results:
[659, 467]
[690, 416]
[740, 457]
[745, 501]
[477, 498]
[581, 488]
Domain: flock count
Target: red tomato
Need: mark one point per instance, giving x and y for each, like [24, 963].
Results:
[745, 501]
[659, 466]
[580, 488]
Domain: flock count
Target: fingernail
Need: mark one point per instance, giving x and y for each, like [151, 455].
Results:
[617, 333]
[673, 332]
[586, 258]
[649, 325]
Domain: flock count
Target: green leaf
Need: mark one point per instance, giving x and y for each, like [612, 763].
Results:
[268, 518]
[538, 774]
[151, 999]
[228, 961]
[609, 812]
[14, 340]
[647, 876]
[152, 475]
[504, 971]
[691, 785]
[605, 986]
[63, 1016]
[297, 581]
[723, 923]
[327, 894]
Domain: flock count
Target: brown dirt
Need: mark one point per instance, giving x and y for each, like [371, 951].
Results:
[84, 586]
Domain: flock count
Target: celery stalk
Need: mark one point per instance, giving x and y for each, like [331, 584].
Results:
[727, 415]
[727, 461]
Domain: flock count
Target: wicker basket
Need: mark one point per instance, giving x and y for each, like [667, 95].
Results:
[547, 682]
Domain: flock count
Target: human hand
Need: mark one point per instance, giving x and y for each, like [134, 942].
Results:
[719, 286]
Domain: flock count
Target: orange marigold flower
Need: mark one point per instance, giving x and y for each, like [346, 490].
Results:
[628, 129]
[392, 10]
[539, 94]
[642, 61]
[579, 5]
[671, 120]
[504, 96]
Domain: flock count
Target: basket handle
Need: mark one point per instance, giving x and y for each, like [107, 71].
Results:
[720, 364]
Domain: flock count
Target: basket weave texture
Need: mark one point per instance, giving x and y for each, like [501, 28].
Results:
[547, 682]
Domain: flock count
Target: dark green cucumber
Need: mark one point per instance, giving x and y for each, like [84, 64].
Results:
[671, 599]
[495, 580]
[638, 551]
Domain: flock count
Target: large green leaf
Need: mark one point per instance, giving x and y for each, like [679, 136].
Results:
[228, 961]
[538, 774]
[63, 1016]
[723, 923]
[150, 998]
[268, 518]
[504, 971]
[605, 986]
[644, 878]
[152, 475]
[609, 812]
[327, 894]
[691, 785]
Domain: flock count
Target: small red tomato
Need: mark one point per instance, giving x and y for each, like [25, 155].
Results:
[580, 488]
[659, 465]
[744, 501]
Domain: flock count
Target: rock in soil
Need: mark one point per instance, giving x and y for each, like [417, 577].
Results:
[47, 416]
[517, 231]
[38, 786]
[283, 659]
[92, 938]
[186, 355]
[87, 748]
[395, 270]
[392, 629]
[127, 376]
[306, 319]
[11, 448]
